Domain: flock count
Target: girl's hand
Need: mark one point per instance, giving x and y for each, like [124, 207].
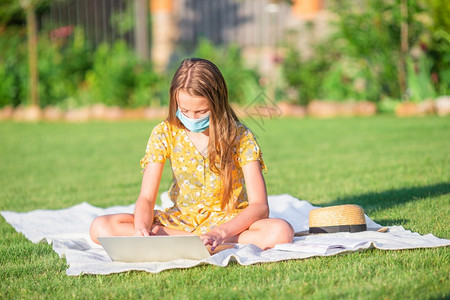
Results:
[213, 238]
[141, 232]
[145, 232]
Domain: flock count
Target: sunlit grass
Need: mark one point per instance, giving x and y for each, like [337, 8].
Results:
[396, 169]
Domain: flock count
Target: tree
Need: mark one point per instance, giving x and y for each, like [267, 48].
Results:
[29, 7]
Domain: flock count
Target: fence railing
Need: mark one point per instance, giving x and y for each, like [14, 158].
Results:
[244, 22]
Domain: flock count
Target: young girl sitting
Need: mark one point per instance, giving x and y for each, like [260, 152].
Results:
[218, 189]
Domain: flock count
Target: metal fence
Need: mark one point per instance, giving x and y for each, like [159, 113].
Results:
[244, 22]
[100, 19]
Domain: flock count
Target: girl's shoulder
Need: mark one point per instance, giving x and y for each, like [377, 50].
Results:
[242, 130]
[165, 127]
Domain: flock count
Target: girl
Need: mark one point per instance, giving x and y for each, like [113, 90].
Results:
[212, 156]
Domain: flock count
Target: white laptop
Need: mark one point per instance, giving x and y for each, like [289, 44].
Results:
[154, 248]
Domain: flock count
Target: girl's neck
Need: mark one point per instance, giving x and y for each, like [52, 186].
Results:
[198, 134]
[199, 140]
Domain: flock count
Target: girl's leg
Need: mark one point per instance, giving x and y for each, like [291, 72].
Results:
[112, 225]
[265, 234]
[123, 225]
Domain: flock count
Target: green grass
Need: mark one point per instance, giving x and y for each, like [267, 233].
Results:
[397, 169]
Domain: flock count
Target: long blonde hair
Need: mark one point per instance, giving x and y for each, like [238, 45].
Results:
[201, 78]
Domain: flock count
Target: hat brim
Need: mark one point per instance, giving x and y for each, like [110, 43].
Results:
[338, 228]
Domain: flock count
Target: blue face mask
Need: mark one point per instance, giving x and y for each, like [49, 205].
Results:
[194, 125]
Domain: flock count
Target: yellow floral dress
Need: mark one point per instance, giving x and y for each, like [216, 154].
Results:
[196, 190]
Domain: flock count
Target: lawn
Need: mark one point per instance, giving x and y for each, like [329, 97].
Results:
[396, 169]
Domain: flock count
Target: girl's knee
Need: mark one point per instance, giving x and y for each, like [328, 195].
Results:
[284, 231]
[98, 227]
[275, 231]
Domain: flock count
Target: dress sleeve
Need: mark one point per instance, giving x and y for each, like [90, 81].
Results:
[248, 149]
[158, 146]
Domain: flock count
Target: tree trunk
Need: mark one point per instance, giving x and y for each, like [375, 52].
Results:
[140, 29]
[404, 47]
[32, 54]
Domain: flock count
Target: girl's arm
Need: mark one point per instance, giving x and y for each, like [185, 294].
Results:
[257, 208]
[143, 211]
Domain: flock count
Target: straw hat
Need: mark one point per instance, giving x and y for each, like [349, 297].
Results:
[340, 218]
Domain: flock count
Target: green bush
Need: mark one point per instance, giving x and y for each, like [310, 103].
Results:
[420, 86]
[13, 68]
[71, 73]
[360, 58]
[301, 74]
[111, 78]
[436, 42]
[62, 67]
[119, 78]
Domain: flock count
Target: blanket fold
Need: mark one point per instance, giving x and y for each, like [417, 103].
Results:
[68, 232]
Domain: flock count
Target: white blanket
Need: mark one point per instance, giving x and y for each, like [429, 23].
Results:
[68, 231]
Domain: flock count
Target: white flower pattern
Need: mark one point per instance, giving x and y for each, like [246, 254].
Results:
[196, 189]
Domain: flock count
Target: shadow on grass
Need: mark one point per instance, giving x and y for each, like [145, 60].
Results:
[392, 222]
[386, 199]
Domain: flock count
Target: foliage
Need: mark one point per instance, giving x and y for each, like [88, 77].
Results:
[13, 68]
[12, 13]
[366, 38]
[360, 58]
[118, 76]
[71, 73]
[62, 66]
[302, 74]
[420, 86]
[123, 20]
[388, 105]
[436, 42]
